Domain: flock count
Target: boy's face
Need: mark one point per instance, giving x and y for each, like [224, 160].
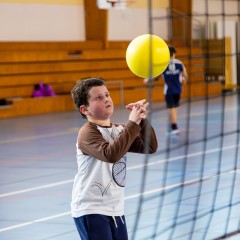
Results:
[100, 105]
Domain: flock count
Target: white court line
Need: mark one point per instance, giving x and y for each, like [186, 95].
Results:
[126, 198]
[184, 156]
[34, 221]
[35, 188]
[129, 169]
[72, 130]
[196, 180]
[12, 140]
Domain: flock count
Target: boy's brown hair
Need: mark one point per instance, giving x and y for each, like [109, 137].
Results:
[80, 92]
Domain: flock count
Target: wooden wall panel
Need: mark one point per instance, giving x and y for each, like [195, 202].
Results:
[181, 21]
[21, 70]
[96, 22]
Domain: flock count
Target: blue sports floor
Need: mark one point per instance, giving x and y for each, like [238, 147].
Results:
[38, 164]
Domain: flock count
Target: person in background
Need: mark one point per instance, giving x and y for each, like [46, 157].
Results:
[173, 76]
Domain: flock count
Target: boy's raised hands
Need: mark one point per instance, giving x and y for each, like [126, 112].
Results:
[141, 103]
[138, 110]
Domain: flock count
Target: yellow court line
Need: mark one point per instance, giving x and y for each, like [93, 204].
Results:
[57, 2]
[132, 3]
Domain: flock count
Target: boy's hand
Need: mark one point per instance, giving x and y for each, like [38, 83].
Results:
[138, 111]
[142, 102]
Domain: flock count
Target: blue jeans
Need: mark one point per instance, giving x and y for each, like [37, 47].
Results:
[99, 227]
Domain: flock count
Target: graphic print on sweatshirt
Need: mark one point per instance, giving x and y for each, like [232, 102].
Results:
[119, 172]
[118, 168]
[102, 189]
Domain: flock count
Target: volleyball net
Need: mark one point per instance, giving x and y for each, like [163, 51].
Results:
[190, 189]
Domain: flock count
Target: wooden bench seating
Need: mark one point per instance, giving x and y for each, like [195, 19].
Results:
[54, 56]
[61, 64]
[49, 46]
[33, 106]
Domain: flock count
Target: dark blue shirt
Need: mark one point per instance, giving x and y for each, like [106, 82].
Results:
[173, 77]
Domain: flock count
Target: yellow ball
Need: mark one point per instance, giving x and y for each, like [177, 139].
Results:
[138, 56]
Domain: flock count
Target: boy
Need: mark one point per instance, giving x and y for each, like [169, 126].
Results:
[98, 191]
[173, 76]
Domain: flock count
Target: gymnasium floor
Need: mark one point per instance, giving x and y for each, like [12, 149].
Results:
[38, 164]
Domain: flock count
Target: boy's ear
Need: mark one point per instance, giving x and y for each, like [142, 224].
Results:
[83, 109]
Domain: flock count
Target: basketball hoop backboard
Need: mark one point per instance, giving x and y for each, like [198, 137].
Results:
[112, 4]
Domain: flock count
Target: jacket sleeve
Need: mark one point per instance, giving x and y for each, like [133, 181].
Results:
[146, 141]
[92, 143]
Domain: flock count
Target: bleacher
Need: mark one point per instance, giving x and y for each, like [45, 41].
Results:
[61, 64]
